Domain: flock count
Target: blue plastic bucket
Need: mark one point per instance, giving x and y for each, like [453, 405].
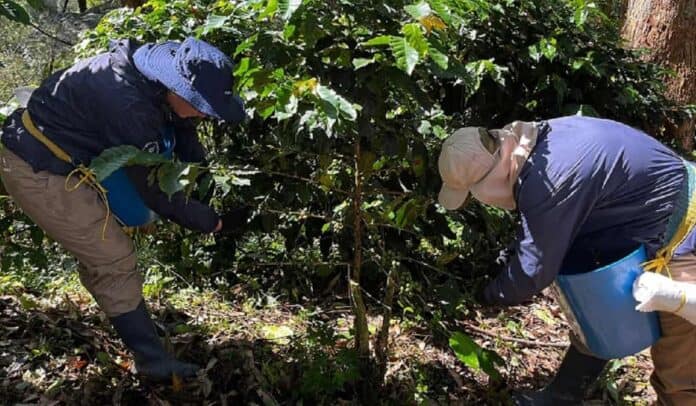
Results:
[600, 308]
[124, 200]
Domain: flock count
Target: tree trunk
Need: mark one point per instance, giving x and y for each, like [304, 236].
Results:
[615, 9]
[667, 30]
[366, 385]
[133, 3]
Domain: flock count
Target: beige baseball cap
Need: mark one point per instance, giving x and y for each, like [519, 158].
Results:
[464, 161]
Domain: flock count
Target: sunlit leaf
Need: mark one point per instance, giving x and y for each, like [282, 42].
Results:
[270, 9]
[382, 40]
[213, 22]
[337, 102]
[405, 54]
[418, 11]
[466, 350]
[414, 36]
[246, 44]
[280, 334]
[439, 58]
[474, 356]
[359, 63]
[288, 7]
[442, 8]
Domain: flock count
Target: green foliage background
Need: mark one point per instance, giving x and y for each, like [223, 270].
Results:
[397, 77]
[349, 102]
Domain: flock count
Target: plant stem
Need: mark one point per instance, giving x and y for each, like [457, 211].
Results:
[49, 35]
[382, 341]
[362, 338]
[528, 343]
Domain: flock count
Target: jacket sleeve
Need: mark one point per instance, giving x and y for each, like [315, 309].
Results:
[188, 147]
[186, 212]
[548, 227]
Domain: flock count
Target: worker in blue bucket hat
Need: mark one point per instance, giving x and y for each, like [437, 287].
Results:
[145, 96]
[588, 192]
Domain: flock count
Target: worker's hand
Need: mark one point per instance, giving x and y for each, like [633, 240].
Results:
[505, 254]
[234, 221]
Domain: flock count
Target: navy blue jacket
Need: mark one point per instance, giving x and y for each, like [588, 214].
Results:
[103, 102]
[591, 191]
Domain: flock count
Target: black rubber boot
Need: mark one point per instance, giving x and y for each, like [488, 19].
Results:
[137, 331]
[575, 375]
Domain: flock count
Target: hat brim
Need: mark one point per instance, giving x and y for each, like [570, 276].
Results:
[155, 61]
[452, 199]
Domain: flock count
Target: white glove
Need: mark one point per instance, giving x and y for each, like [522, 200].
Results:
[655, 292]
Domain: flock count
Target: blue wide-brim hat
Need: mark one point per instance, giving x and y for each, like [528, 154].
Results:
[196, 71]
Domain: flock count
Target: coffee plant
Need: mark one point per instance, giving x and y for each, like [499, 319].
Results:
[348, 104]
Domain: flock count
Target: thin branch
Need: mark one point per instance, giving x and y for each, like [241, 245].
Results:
[384, 225]
[301, 214]
[295, 264]
[382, 191]
[49, 35]
[529, 343]
[303, 179]
[362, 334]
[382, 340]
[432, 268]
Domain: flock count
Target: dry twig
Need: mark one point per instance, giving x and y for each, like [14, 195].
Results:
[529, 343]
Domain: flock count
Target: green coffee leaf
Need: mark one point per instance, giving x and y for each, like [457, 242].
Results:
[288, 7]
[378, 41]
[14, 12]
[442, 9]
[439, 58]
[212, 23]
[112, 159]
[475, 357]
[418, 11]
[413, 34]
[362, 62]
[466, 350]
[336, 104]
[406, 55]
[173, 177]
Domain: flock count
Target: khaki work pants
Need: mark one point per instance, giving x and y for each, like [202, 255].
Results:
[75, 219]
[674, 354]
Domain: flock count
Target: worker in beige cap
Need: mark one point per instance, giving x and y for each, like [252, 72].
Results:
[587, 191]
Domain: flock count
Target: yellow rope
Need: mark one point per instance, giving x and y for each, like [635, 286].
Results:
[87, 176]
[681, 303]
[661, 262]
[55, 149]
[658, 265]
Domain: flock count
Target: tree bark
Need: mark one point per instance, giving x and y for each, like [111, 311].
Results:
[667, 30]
[133, 3]
[362, 334]
[382, 340]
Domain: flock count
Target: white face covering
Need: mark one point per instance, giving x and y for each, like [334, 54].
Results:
[516, 143]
